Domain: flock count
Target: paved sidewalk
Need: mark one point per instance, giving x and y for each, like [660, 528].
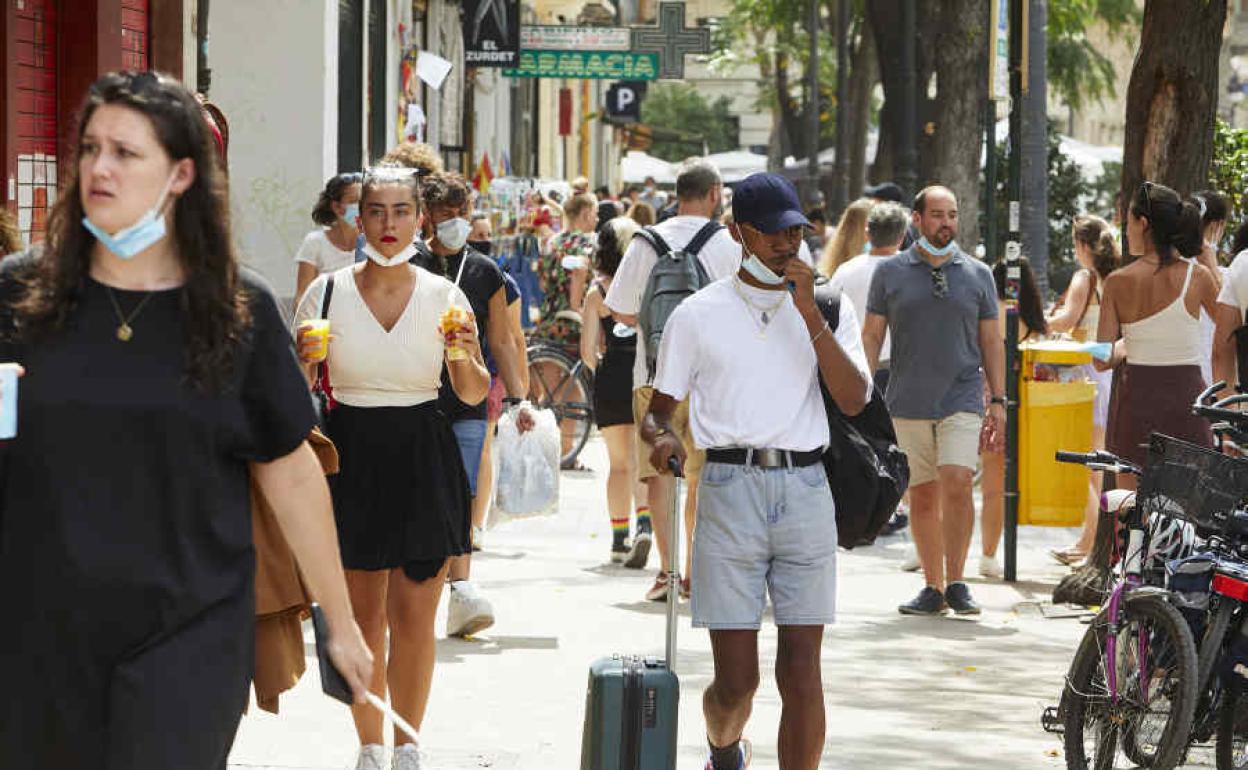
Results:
[935, 694]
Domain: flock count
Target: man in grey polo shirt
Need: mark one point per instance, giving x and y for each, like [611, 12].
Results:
[939, 307]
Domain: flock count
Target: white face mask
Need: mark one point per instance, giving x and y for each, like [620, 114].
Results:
[381, 260]
[757, 268]
[453, 233]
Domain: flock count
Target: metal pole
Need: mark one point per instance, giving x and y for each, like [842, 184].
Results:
[841, 194]
[203, 75]
[1013, 251]
[812, 103]
[990, 181]
[908, 116]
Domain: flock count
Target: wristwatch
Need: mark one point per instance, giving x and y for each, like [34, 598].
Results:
[997, 400]
[512, 401]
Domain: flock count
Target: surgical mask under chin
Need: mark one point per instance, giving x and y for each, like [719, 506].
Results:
[131, 241]
[755, 267]
[453, 233]
[351, 214]
[381, 260]
[948, 249]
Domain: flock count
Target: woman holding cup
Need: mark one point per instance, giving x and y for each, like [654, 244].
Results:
[160, 382]
[401, 496]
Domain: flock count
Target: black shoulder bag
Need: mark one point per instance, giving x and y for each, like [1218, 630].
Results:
[867, 471]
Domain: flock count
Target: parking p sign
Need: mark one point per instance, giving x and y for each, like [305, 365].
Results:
[624, 101]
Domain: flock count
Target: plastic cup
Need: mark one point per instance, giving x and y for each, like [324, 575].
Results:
[455, 318]
[8, 400]
[317, 329]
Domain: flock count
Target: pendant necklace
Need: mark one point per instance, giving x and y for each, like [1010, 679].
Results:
[765, 311]
[124, 331]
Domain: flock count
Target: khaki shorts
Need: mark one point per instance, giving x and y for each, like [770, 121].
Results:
[929, 444]
[680, 426]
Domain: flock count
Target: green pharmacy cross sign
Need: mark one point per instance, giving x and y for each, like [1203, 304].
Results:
[594, 65]
[617, 53]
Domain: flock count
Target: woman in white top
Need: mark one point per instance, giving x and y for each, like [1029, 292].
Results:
[1097, 253]
[401, 496]
[1153, 304]
[331, 246]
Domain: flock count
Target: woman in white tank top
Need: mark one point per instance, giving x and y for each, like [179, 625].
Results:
[1150, 310]
[1096, 250]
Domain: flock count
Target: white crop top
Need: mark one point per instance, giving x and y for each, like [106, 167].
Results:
[1169, 337]
[369, 366]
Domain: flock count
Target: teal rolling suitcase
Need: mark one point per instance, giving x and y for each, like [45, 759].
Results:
[633, 703]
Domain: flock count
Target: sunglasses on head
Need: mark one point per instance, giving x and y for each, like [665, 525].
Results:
[940, 283]
[1146, 191]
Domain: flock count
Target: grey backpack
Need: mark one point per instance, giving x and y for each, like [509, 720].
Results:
[676, 275]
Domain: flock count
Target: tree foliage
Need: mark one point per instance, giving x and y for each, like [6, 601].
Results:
[682, 119]
[1077, 71]
[1228, 171]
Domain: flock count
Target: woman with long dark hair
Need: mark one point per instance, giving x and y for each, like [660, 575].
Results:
[1150, 311]
[1032, 325]
[331, 246]
[1097, 253]
[157, 371]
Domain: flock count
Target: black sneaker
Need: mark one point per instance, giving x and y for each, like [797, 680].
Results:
[896, 523]
[637, 556]
[928, 602]
[958, 597]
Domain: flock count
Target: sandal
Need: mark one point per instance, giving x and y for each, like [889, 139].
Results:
[1069, 557]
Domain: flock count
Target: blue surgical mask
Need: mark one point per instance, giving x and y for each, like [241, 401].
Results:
[130, 241]
[755, 267]
[453, 233]
[927, 246]
[351, 214]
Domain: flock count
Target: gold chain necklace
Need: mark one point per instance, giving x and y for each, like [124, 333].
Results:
[124, 332]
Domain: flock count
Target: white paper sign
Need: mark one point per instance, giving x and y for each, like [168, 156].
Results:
[432, 69]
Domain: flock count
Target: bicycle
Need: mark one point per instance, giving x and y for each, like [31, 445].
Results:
[560, 381]
[1132, 684]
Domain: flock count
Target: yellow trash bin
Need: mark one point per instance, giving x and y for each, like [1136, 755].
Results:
[1055, 413]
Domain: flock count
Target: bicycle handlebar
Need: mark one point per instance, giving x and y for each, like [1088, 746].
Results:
[1100, 460]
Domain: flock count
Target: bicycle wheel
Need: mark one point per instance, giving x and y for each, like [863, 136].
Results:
[561, 384]
[1231, 744]
[1155, 667]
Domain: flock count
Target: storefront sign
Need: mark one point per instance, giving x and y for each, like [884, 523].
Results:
[491, 33]
[617, 65]
[544, 38]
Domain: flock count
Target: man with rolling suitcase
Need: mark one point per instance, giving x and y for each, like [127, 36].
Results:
[749, 350]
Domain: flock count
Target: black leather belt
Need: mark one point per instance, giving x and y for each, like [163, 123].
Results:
[764, 458]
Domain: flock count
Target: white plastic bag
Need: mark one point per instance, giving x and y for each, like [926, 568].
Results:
[526, 466]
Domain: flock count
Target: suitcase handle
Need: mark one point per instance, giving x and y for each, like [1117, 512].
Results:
[673, 563]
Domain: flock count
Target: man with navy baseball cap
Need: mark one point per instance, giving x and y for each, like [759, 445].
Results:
[749, 351]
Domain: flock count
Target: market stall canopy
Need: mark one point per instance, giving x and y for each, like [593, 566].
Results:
[736, 165]
[637, 165]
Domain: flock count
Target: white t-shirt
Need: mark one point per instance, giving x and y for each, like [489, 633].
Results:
[317, 250]
[721, 257]
[369, 366]
[748, 391]
[854, 280]
[1235, 283]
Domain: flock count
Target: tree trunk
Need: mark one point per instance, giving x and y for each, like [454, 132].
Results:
[957, 110]
[790, 119]
[884, 18]
[1087, 584]
[1172, 96]
[865, 74]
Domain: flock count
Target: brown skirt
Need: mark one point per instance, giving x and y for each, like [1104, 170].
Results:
[1154, 399]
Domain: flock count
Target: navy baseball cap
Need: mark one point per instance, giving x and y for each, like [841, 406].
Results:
[767, 202]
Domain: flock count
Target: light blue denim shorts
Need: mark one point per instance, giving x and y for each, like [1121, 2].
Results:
[759, 532]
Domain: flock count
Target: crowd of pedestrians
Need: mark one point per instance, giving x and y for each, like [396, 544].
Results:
[165, 375]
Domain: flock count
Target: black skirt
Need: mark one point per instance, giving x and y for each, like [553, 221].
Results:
[613, 389]
[401, 494]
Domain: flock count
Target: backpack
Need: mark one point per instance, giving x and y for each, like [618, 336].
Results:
[867, 471]
[677, 274]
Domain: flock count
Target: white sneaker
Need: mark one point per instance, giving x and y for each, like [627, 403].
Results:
[989, 567]
[911, 563]
[469, 612]
[407, 757]
[372, 757]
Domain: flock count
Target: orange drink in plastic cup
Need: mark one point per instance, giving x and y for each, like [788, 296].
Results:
[455, 319]
[317, 329]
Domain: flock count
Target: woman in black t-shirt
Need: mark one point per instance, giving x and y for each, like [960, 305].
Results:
[156, 374]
